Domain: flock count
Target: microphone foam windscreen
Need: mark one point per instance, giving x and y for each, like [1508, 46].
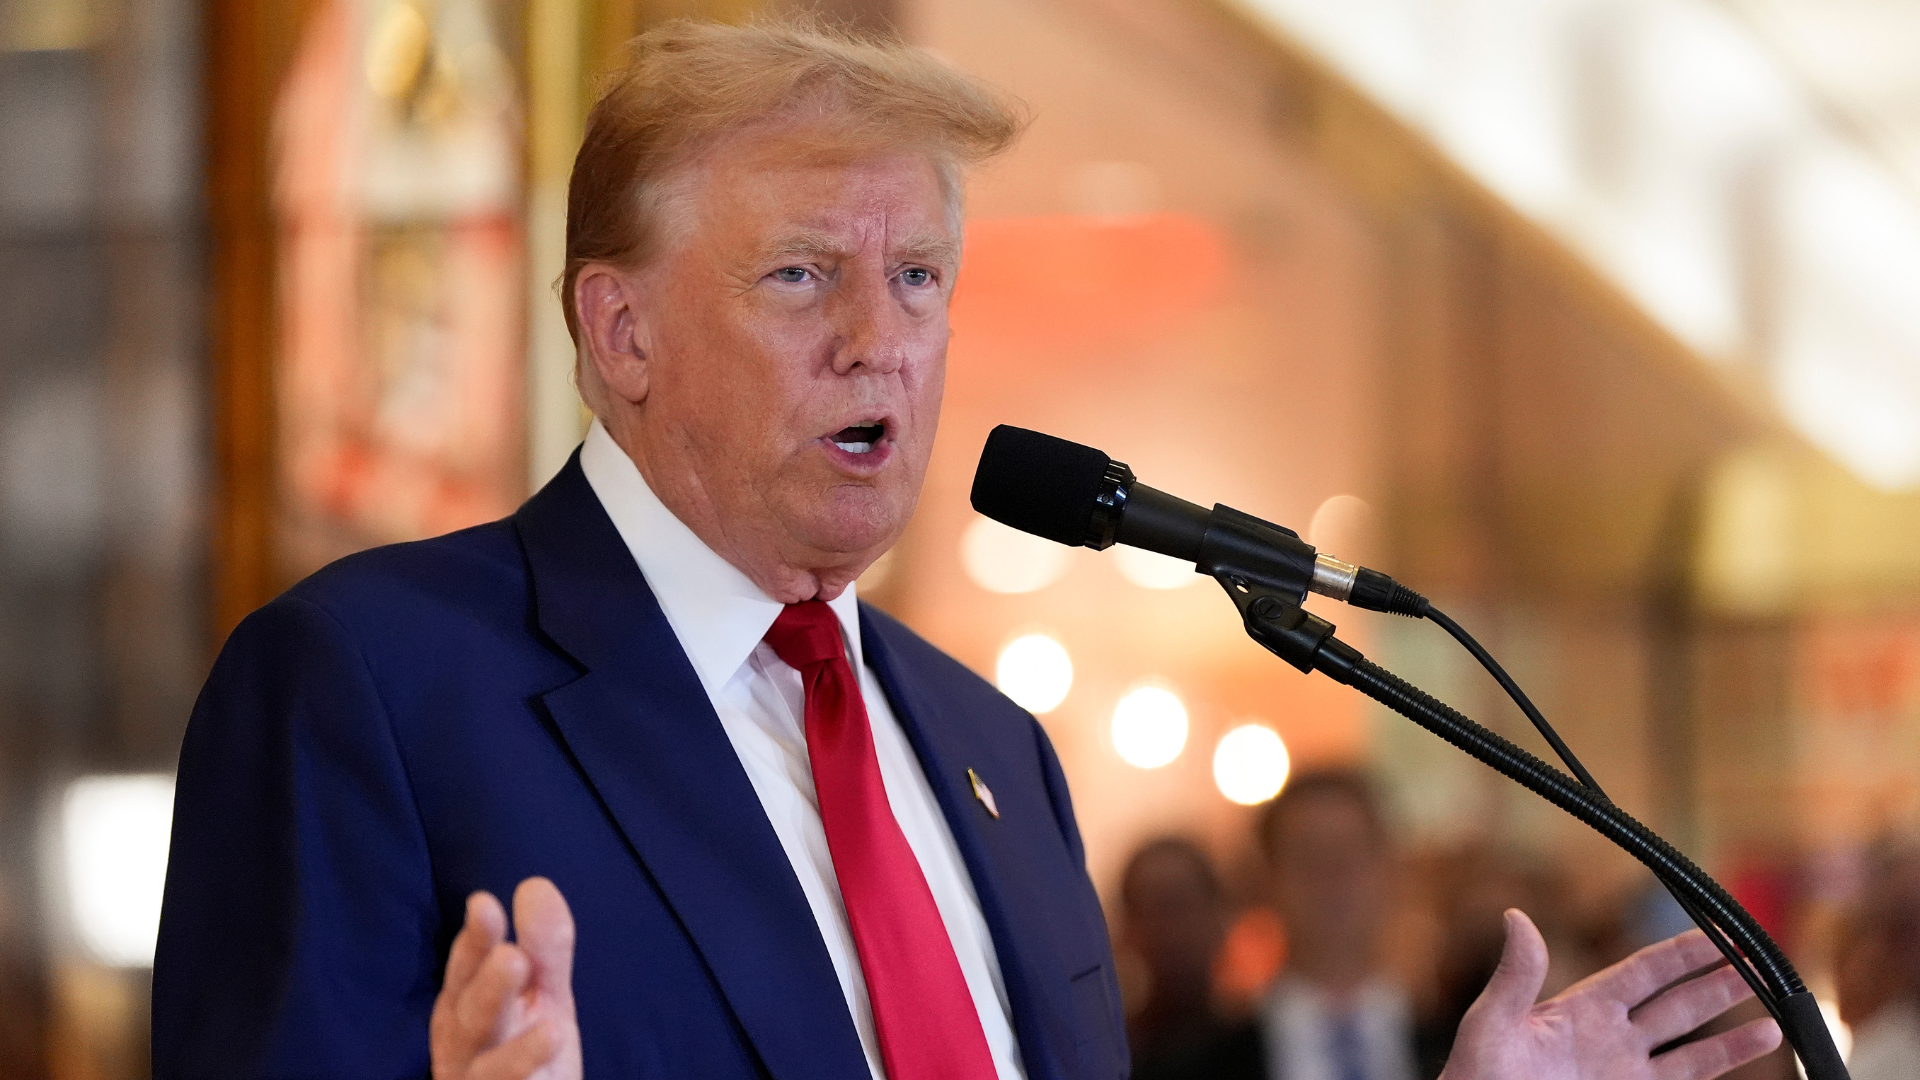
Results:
[1039, 484]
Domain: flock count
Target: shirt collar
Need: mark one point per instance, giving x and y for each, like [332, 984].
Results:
[1376, 995]
[716, 611]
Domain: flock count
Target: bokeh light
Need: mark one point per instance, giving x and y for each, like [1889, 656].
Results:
[1250, 764]
[1152, 570]
[1343, 526]
[115, 832]
[1149, 727]
[1004, 560]
[1035, 671]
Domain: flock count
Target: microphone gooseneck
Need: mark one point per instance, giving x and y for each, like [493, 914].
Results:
[1078, 496]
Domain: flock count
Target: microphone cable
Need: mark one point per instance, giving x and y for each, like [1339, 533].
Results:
[1385, 594]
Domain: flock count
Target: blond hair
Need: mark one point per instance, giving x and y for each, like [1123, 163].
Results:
[685, 85]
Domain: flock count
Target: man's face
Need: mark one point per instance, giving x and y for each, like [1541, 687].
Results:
[1174, 916]
[795, 339]
[1331, 872]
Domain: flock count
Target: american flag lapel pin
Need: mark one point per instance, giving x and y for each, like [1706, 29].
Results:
[982, 792]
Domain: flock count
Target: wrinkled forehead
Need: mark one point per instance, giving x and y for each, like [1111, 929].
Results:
[818, 189]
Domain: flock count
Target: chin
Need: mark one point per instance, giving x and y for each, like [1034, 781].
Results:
[858, 523]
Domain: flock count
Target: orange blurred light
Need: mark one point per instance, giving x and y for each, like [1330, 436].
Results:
[1078, 279]
[1251, 956]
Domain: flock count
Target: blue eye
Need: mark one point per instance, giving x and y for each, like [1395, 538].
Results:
[791, 275]
[917, 277]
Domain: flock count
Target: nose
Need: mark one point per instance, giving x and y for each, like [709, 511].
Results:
[872, 326]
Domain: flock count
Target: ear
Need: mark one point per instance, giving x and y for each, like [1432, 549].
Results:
[613, 329]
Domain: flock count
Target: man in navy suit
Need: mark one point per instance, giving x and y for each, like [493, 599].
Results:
[789, 838]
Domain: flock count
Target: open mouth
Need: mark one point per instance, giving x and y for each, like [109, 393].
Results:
[859, 438]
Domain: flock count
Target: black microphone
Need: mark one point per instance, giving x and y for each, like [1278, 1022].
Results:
[1078, 496]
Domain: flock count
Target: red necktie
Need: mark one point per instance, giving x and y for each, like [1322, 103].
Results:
[922, 1012]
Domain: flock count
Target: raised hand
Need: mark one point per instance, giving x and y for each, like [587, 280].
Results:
[505, 1010]
[1605, 1027]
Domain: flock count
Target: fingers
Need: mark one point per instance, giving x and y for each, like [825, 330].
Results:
[1690, 1004]
[543, 927]
[1652, 969]
[485, 927]
[1726, 1051]
[501, 996]
[505, 1010]
[486, 1008]
[1516, 983]
[518, 1057]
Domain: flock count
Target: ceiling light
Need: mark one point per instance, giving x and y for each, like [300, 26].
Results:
[1004, 560]
[1149, 727]
[115, 831]
[1152, 570]
[1035, 671]
[1250, 764]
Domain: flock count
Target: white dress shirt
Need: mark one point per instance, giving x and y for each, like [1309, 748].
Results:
[720, 616]
[1299, 1022]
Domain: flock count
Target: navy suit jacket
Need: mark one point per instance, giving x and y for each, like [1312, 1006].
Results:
[419, 721]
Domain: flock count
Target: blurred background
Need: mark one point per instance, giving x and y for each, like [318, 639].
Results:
[1598, 321]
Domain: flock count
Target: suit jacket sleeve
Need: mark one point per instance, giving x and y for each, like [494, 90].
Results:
[300, 934]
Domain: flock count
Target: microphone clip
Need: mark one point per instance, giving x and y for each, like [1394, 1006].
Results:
[1287, 630]
[1240, 547]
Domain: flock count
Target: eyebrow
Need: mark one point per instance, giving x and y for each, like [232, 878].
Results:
[799, 247]
[923, 246]
[932, 247]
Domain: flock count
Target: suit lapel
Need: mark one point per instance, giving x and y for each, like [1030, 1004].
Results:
[645, 735]
[946, 751]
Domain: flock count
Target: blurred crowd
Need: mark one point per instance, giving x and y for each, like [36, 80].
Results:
[1333, 954]
[1877, 969]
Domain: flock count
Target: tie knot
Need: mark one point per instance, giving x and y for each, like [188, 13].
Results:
[806, 634]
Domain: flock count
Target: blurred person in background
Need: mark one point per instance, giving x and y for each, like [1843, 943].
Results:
[1877, 971]
[1481, 883]
[1333, 1014]
[1174, 916]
